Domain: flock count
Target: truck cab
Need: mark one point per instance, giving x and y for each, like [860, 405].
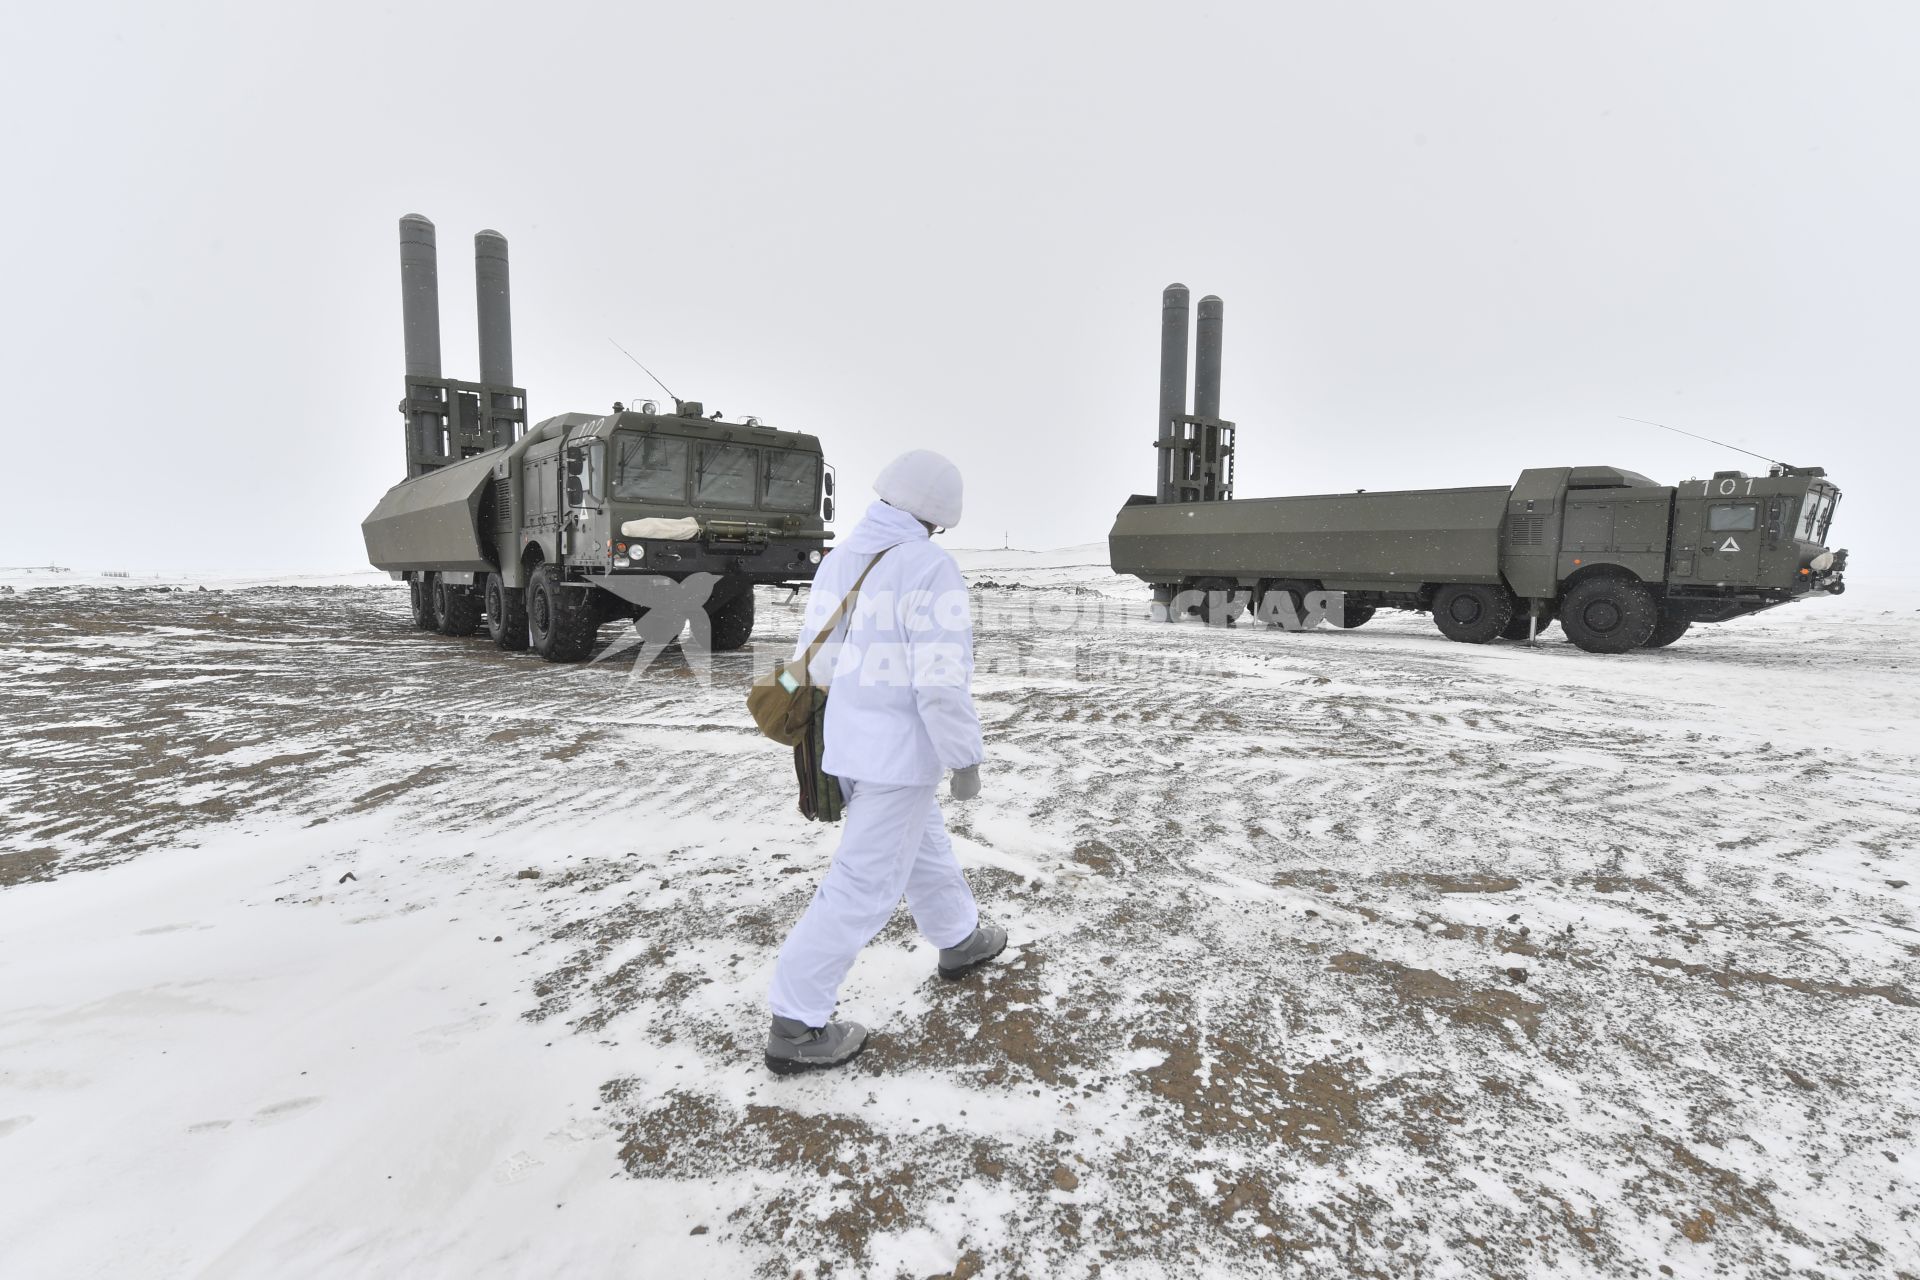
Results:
[620, 501]
[644, 492]
[1741, 543]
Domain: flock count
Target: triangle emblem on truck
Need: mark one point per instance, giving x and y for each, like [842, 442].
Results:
[1729, 545]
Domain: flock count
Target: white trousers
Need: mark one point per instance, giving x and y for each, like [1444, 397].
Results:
[893, 843]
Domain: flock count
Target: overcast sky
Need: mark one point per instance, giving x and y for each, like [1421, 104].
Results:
[1454, 241]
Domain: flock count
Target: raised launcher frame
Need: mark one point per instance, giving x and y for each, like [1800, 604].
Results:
[1196, 449]
[449, 420]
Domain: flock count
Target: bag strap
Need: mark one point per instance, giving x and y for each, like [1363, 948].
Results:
[833, 621]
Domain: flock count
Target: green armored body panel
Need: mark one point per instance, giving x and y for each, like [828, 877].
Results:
[1621, 561]
[543, 533]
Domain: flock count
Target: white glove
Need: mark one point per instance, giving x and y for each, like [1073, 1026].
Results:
[966, 782]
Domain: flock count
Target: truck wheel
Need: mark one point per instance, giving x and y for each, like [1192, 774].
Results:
[732, 622]
[506, 614]
[560, 622]
[457, 608]
[1517, 629]
[1472, 612]
[1282, 607]
[1224, 603]
[1670, 628]
[1609, 615]
[1349, 616]
[1222, 610]
[420, 602]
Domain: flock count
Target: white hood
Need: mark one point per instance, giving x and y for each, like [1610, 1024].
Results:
[925, 483]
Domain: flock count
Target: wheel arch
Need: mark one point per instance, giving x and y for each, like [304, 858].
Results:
[531, 558]
[1605, 569]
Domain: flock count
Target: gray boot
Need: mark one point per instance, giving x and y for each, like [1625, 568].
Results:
[793, 1046]
[982, 945]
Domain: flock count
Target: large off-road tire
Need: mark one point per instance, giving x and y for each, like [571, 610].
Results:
[1609, 615]
[457, 608]
[1472, 612]
[506, 614]
[1670, 628]
[1276, 605]
[1222, 610]
[560, 619]
[1348, 616]
[732, 622]
[1224, 604]
[420, 602]
[1517, 629]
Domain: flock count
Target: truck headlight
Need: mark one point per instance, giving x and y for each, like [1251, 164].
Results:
[1822, 562]
[637, 551]
[813, 557]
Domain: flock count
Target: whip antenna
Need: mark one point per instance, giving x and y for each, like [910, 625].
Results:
[1664, 427]
[650, 373]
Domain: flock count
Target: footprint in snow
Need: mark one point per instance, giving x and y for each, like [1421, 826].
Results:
[209, 1126]
[14, 1124]
[443, 1038]
[278, 1111]
[516, 1167]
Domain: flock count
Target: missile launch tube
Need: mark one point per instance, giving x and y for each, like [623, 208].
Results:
[1206, 358]
[1173, 381]
[494, 308]
[420, 296]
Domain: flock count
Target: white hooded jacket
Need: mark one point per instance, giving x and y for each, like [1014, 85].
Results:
[900, 670]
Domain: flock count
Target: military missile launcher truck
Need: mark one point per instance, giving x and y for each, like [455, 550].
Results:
[1621, 561]
[544, 533]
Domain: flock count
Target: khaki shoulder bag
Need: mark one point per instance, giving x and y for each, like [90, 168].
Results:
[785, 701]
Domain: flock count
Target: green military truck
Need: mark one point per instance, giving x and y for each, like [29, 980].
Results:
[1620, 561]
[542, 534]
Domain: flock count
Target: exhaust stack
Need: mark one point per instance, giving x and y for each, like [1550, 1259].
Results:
[494, 308]
[1173, 384]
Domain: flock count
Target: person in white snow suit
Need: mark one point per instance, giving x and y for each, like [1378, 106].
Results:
[899, 715]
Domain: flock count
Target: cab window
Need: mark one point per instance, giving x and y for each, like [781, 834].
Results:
[726, 475]
[1732, 517]
[650, 468]
[1811, 509]
[792, 477]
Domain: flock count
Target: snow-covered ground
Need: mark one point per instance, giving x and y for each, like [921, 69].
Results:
[332, 948]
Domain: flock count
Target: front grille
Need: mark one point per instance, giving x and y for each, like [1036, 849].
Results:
[1526, 531]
